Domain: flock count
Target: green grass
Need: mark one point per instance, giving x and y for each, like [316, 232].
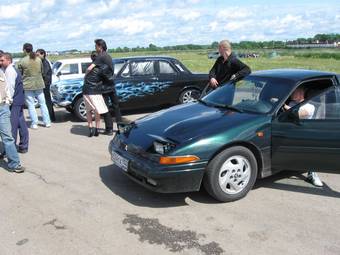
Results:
[197, 61]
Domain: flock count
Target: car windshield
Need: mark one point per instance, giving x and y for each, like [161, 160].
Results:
[252, 94]
[55, 67]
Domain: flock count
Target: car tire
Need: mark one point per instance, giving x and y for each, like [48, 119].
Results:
[189, 95]
[79, 109]
[231, 174]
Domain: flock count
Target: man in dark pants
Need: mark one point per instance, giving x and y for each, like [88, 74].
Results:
[16, 91]
[109, 92]
[47, 77]
[227, 67]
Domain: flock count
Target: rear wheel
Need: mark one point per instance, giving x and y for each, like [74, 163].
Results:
[231, 174]
[79, 109]
[189, 95]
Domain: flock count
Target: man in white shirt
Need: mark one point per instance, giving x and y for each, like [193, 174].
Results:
[5, 128]
[306, 111]
[17, 100]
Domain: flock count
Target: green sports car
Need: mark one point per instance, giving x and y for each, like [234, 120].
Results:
[239, 132]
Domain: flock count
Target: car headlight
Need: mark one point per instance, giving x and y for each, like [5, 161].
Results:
[162, 148]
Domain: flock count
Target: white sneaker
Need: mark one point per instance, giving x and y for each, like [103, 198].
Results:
[47, 125]
[314, 179]
[34, 126]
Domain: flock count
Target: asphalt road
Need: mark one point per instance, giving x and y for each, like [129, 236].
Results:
[71, 200]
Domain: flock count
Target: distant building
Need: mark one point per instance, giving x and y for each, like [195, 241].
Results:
[314, 45]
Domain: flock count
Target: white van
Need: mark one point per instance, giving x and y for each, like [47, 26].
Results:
[71, 68]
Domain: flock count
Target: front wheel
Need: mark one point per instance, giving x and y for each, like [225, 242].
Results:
[189, 95]
[79, 109]
[231, 174]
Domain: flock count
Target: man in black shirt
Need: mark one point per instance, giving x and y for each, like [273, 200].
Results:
[110, 95]
[227, 67]
[47, 77]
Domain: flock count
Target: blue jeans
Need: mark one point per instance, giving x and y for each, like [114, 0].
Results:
[6, 136]
[29, 97]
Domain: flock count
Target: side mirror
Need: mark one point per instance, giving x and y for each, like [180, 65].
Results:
[58, 74]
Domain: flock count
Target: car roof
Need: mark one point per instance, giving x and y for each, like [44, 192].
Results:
[74, 60]
[293, 74]
[143, 58]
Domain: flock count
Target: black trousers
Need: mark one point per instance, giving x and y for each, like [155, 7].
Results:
[49, 103]
[111, 101]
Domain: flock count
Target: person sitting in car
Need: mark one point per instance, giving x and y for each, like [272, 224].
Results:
[306, 111]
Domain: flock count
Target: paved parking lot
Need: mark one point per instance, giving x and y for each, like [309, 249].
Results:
[71, 200]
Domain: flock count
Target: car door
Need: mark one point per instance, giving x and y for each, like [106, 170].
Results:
[136, 84]
[309, 144]
[167, 92]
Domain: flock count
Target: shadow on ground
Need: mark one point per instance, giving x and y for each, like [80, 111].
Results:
[295, 182]
[137, 195]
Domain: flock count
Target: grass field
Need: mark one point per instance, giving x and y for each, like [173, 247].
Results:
[197, 61]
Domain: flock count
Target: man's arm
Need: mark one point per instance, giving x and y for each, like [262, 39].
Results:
[242, 69]
[212, 75]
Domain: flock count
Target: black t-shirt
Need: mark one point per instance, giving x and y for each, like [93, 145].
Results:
[104, 59]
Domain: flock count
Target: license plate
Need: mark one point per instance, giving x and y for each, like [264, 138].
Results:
[120, 161]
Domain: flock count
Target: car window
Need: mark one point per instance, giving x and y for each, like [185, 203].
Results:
[126, 71]
[84, 66]
[253, 94]
[70, 69]
[141, 68]
[56, 66]
[117, 66]
[325, 106]
[166, 68]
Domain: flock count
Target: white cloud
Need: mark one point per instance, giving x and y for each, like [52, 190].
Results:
[237, 25]
[74, 2]
[13, 10]
[129, 26]
[234, 13]
[213, 25]
[78, 33]
[185, 14]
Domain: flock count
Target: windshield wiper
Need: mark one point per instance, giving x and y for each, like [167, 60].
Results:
[229, 107]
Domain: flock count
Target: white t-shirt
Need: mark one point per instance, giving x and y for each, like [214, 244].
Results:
[309, 108]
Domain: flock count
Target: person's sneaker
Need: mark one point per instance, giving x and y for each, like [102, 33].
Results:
[314, 179]
[48, 125]
[17, 169]
[34, 126]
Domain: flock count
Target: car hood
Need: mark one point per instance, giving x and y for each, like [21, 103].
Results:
[186, 122]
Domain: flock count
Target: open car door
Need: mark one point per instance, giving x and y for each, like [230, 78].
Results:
[311, 144]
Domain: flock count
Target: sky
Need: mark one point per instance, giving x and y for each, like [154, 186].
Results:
[74, 24]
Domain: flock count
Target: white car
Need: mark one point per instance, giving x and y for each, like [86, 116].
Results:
[71, 68]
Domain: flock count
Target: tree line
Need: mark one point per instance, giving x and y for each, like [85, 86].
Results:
[319, 38]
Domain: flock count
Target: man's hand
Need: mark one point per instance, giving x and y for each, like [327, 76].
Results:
[213, 83]
[286, 107]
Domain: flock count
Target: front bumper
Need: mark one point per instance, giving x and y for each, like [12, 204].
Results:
[161, 178]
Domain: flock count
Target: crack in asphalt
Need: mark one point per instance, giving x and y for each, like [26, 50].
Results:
[40, 177]
[152, 231]
[55, 224]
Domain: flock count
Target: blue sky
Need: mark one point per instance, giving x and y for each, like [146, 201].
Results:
[68, 24]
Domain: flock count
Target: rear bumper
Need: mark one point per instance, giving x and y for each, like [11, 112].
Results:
[161, 178]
